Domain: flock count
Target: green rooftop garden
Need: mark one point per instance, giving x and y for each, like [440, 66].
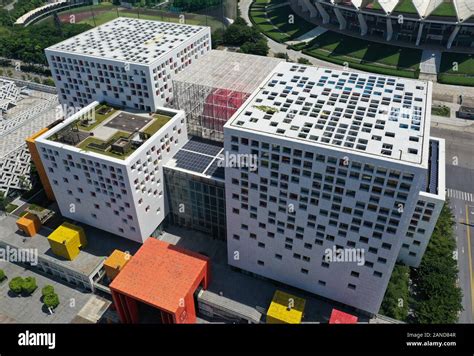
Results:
[158, 123]
[102, 112]
[122, 143]
[85, 145]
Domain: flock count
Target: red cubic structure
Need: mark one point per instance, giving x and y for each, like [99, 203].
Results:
[158, 283]
[339, 317]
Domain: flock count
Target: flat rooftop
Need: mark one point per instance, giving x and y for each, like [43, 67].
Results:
[228, 70]
[111, 131]
[160, 274]
[129, 40]
[355, 112]
[199, 156]
[100, 245]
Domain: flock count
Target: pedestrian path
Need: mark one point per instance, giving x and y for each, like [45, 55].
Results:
[430, 62]
[457, 194]
[310, 35]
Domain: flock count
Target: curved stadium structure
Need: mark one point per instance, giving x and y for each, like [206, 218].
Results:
[449, 23]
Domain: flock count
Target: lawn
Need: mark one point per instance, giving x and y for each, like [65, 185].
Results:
[457, 69]
[11, 208]
[84, 145]
[445, 9]
[277, 23]
[358, 53]
[99, 118]
[441, 110]
[158, 123]
[406, 6]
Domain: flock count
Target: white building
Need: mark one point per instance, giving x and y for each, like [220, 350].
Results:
[342, 159]
[428, 207]
[106, 167]
[126, 62]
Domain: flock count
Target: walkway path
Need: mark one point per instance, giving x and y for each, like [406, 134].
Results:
[430, 62]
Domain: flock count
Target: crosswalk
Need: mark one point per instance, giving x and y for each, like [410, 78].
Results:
[457, 194]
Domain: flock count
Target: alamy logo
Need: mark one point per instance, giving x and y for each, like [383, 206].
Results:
[239, 160]
[37, 339]
[345, 255]
[19, 255]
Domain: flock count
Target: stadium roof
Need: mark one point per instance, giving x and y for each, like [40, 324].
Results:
[464, 8]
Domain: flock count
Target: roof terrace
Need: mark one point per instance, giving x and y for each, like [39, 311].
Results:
[111, 131]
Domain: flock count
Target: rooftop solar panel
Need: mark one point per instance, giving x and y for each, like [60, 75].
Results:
[203, 146]
[215, 170]
[192, 161]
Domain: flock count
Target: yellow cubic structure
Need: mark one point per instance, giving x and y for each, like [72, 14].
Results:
[115, 263]
[66, 240]
[285, 309]
[29, 223]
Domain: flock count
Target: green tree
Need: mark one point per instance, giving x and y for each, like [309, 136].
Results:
[437, 298]
[395, 302]
[303, 60]
[16, 285]
[217, 38]
[29, 285]
[236, 35]
[3, 201]
[51, 300]
[47, 289]
[259, 48]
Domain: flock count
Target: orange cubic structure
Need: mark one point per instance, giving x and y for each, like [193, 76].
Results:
[29, 223]
[159, 282]
[115, 263]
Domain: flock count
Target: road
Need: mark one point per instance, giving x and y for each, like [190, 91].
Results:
[460, 185]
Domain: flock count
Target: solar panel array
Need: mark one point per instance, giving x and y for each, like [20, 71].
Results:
[192, 161]
[202, 146]
[200, 156]
[216, 170]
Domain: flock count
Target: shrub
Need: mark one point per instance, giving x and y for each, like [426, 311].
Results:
[303, 60]
[48, 289]
[2, 275]
[16, 285]
[51, 300]
[29, 285]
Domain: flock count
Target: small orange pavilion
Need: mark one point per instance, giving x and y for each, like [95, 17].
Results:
[160, 280]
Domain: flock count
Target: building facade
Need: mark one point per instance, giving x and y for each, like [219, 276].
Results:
[448, 23]
[126, 62]
[112, 178]
[428, 207]
[342, 158]
[195, 188]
